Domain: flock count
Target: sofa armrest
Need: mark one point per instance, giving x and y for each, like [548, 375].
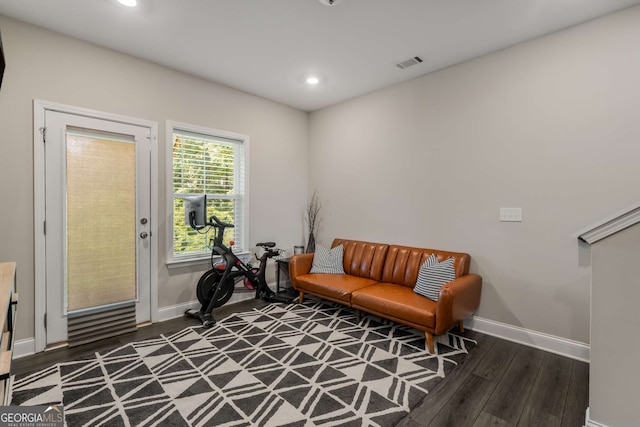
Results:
[299, 265]
[457, 301]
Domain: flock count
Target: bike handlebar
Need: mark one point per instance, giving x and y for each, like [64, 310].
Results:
[217, 223]
[213, 222]
[268, 253]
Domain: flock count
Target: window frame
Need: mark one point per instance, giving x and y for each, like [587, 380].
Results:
[174, 260]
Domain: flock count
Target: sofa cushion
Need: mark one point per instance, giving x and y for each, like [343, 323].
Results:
[433, 275]
[363, 259]
[338, 287]
[396, 302]
[327, 261]
[403, 263]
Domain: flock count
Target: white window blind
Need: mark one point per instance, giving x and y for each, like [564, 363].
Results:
[209, 163]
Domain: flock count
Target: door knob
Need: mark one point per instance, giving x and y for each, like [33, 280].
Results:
[144, 235]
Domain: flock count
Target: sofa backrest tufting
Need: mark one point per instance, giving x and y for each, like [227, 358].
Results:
[363, 259]
[402, 263]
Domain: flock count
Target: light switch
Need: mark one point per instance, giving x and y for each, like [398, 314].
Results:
[511, 214]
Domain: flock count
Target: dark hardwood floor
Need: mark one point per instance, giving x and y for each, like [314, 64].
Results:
[500, 383]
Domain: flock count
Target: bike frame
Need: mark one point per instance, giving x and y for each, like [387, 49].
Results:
[235, 267]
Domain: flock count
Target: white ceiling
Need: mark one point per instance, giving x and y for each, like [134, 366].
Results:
[268, 47]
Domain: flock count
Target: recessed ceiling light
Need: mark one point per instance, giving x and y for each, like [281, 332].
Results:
[313, 80]
[130, 3]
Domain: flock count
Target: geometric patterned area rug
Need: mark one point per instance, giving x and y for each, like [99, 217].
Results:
[296, 365]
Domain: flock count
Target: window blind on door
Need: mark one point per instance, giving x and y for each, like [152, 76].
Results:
[100, 220]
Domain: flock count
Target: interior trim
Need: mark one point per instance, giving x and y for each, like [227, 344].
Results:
[553, 344]
[39, 109]
[550, 343]
[611, 225]
[590, 423]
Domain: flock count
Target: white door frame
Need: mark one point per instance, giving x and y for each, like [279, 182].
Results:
[39, 109]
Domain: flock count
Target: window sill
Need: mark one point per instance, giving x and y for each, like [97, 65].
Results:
[189, 261]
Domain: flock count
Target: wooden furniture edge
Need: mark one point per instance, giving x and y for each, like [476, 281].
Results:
[8, 303]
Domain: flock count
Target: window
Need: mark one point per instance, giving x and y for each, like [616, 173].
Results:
[211, 162]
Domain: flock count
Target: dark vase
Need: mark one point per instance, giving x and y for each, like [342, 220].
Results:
[311, 243]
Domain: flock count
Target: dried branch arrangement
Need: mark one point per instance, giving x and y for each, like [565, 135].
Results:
[314, 206]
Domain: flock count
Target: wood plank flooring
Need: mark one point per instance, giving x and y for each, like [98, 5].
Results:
[500, 383]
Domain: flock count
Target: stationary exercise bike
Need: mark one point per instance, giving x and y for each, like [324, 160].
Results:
[216, 286]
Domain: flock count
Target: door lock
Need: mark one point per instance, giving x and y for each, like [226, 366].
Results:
[144, 221]
[144, 235]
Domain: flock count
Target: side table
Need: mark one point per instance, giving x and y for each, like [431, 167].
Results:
[281, 264]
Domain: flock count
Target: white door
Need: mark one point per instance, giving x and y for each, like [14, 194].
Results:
[97, 220]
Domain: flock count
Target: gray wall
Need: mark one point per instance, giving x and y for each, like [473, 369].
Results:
[552, 126]
[48, 66]
[615, 349]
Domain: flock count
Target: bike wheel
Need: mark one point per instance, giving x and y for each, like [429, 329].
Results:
[208, 284]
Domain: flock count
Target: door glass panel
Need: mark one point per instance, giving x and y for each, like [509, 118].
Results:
[100, 219]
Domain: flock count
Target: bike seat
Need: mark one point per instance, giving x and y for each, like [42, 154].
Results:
[266, 244]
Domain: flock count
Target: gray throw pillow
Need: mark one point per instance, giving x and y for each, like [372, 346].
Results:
[328, 261]
[433, 275]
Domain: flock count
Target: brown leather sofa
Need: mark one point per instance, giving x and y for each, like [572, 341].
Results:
[379, 279]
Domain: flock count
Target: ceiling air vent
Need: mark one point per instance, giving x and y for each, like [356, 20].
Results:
[409, 62]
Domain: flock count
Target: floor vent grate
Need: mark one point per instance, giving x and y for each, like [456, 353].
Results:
[94, 325]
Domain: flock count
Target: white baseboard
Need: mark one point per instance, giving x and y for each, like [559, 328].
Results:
[590, 423]
[557, 345]
[564, 347]
[173, 311]
[24, 347]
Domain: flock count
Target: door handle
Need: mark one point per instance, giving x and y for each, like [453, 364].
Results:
[144, 235]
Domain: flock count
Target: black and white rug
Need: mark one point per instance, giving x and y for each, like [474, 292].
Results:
[299, 365]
